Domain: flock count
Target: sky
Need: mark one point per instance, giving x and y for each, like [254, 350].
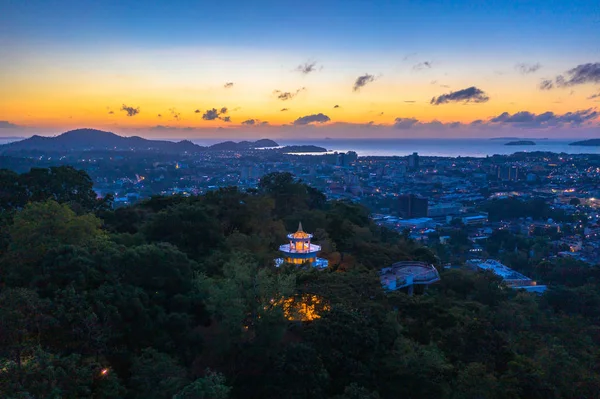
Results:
[311, 69]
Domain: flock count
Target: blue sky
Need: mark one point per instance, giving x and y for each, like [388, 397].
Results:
[160, 55]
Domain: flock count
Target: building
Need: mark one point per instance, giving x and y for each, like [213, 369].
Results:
[416, 224]
[413, 161]
[444, 209]
[509, 173]
[412, 206]
[470, 219]
[408, 275]
[301, 251]
[346, 159]
[510, 277]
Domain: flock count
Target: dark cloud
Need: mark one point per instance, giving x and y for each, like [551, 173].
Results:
[546, 84]
[286, 95]
[197, 111]
[249, 122]
[7, 124]
[581, 74]
[409, 101]
[283, 109]
[409, 123]
[336, 106]
[264, 123]
[405, 123]
[159, 115]
[212, 114]
[422, 65]
[131, 111]
[362, 81]
[470, 94]
[528, 119]
[526, 69]
[228, 85]
[594, 96]
[176, 115]
[314, 118]
[111, 112]
[307, 67]
[226, 119]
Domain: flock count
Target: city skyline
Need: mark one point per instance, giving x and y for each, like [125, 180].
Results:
[334, 69]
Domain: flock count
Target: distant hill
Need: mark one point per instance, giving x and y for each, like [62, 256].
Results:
[520, 142]
[302, 148]
[588, 143]
[92, 139]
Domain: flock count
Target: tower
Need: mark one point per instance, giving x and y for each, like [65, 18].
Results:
[300, 250]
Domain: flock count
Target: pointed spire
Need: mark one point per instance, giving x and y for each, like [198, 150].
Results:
[300, 227]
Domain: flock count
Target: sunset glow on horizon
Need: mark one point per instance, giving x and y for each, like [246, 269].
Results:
[370, 69]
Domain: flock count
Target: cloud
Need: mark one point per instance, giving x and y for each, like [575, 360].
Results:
[405, 123]
[362, 81]
[131, 111]
[7, 125]
[212, 114]
[286, 95]
[264, 123]
[546, 84]
[111, 112]
[528, 119]
[526, 69]
[226, 119]
[249, 122]
[581, 74]
[176, 115]
[594, 96]
[409, 101]
[159, 115]
[307, 67]
[336, 106]
[314, 118]
[283, 109]
[470, 94]
[422, 65]
[228, 85]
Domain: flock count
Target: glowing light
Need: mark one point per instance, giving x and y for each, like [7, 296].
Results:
[305, 307]
[104, 372]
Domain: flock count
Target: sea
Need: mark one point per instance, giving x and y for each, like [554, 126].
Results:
[424, 147]
[438, 147]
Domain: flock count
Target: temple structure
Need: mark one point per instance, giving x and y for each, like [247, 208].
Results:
[300, 251]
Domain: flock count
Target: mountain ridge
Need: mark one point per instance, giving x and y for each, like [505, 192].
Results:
[93, 139]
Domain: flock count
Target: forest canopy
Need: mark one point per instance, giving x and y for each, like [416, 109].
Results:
[178, 297]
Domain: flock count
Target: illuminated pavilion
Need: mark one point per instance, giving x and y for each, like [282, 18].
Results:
[300, 251]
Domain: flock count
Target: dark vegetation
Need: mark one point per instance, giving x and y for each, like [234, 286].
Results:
[177, 298]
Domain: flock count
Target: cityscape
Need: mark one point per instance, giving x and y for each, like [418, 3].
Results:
[326, 200]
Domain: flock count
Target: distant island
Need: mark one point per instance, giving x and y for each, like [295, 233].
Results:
[517, 139]
[291, 149]
[92, 139]
[520, 142]
[587, 143]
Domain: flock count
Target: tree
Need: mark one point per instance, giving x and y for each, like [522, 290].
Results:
[211, 386]
[41, 227]
[156, 375]
[575, 201]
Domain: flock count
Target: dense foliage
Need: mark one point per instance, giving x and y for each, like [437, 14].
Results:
[178, 298]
